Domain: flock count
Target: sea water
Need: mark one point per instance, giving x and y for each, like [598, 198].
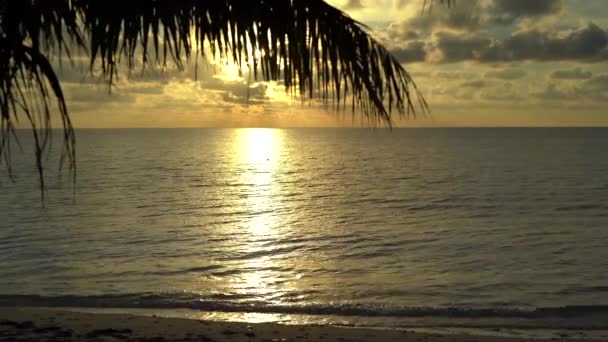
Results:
[377, 227]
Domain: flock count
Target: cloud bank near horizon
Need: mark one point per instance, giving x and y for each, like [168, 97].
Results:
[484, 62]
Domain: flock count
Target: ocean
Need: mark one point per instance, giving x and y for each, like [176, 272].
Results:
[371, 227]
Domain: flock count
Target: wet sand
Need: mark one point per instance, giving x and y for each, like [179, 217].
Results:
[42, 324]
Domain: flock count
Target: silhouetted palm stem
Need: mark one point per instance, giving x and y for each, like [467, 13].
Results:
[308, 45]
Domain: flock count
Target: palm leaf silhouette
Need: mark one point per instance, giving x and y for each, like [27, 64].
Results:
[308, 45]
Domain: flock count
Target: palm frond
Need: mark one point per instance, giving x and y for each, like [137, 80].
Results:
[303, 43]
[29, 32]
[311, 47]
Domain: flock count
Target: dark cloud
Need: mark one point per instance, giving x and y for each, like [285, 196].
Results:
[457, 47]
[410, 35]
[574, 74]
[419, 27]
[588, 44]
[469, 15]
[413, 52]
[508, 11]
[507, 74]
[465, 16]
[583, 44]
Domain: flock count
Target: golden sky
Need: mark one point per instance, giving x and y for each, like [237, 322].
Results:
[482, 63]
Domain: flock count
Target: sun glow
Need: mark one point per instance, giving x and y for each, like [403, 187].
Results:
[259, 154]
[230, 70]
[258, 145]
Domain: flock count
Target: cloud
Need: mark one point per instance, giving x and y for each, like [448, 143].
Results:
[505, 92]
[507, 74]
[502, 47]
[255, 94]
[553, 93]
[95, 95]
[465, 16]
[508, 11]
[150, 88]
[594, 89]
[587, 44]
[585, 8]
[455, 75]
[596, 86]
[420, 74]
[413, 52]
[474, 84]
[455, 47]
[471, 15]
[584, 44]
[574, 74]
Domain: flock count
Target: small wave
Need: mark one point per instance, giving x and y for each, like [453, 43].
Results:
[227, 303]
[267, 252]
[202, 269]
[577, 207]
[584, 289]
[226, 273]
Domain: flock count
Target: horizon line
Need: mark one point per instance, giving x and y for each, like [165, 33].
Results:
[317, 127]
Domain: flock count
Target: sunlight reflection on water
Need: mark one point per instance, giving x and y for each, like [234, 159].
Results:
[259, 154]
[311, 220]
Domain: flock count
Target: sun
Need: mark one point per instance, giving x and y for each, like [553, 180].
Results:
[259, 146]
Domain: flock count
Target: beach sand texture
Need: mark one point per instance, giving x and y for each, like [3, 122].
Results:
[38, 324]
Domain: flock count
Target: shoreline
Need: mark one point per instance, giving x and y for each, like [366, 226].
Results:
[66, 324]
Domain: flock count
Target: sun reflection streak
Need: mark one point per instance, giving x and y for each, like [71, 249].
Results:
[259, 159]
[259, 156]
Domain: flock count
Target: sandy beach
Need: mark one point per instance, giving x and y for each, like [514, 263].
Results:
[41, 324]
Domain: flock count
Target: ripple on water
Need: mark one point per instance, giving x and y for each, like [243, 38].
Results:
[340, 221]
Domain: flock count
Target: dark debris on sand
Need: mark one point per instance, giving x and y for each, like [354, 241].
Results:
[27, 332]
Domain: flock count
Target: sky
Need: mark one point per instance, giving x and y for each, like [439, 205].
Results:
[480, 63]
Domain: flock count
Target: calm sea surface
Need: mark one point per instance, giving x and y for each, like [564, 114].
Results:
[315, 222]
